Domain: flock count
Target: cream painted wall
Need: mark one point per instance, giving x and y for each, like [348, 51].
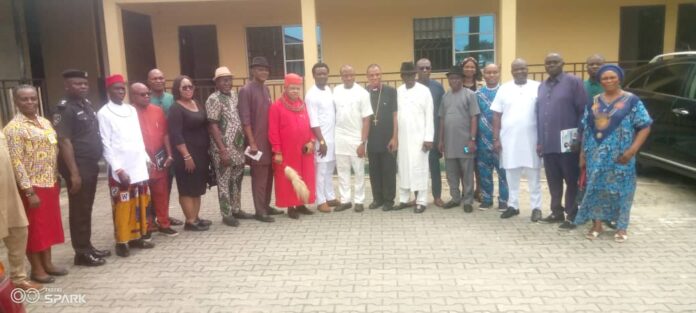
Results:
[578, 28]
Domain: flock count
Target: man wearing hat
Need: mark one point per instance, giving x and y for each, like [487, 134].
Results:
[457, 133]
[415, 107]
[254, 102]
[226, 146]
[80, 146]
[124, 151]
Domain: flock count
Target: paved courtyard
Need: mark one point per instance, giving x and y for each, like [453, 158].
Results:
[439, 261]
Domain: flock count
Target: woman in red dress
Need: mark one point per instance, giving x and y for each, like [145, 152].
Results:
[292, 143]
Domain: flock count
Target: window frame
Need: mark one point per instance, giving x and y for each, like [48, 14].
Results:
[454, 37]
[320, 51]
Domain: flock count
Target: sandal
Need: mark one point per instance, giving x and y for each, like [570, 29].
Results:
[48, 279]
[620, 238]
[593, 234]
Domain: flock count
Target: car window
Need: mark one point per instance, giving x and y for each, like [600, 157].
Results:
[639, 82]
[669, 79]
[691, 89]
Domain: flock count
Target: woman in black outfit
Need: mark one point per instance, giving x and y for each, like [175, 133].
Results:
[188, 132]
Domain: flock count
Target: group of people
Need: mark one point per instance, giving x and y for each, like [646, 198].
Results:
[587, 134]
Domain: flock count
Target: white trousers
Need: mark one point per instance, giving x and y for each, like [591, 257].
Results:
[325, 191]
[343, 164]
[421, 197]
[513, 180]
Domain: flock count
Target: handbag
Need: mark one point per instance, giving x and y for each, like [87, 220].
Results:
[212, 177]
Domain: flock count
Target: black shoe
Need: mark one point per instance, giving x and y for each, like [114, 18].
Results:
[388, 206]
[359, 208]
[243, 215]
[264, 218]
[375, 205]
[468, 208]
[87, 259]
[536, 215]
[343, 207]
[304, 210]
[195, 227]
[141, 244]
[122, 250]
[400, 206]
[502, 207]
[147, 237]
[450, 204]
[419, 209]
[169, 232]
[510, 212]
[485, 206]
[175, 221]
[230, 220]
[293, 214]
[100, 254]
[553, 218]
[567, 225]
[204, 222]
[274, 211]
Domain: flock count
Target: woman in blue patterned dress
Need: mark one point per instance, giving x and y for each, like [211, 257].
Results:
[615, 127]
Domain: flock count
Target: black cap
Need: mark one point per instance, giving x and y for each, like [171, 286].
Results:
[73, 73]
[259, 61]
[456, 70]
[408, 68]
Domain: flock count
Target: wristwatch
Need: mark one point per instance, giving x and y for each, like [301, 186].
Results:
[29, 194]
[322, 142]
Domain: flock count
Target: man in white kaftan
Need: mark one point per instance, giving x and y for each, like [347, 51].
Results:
[415, 138]
[515, 137]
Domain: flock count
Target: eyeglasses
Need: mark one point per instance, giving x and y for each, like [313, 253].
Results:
[424, 68]
[188, 87]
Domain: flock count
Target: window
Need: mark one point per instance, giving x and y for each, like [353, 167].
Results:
[282, 46]
[641, 35]
[448, 40]
[686, 23]
[668, 79]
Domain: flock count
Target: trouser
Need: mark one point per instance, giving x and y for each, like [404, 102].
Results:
[461, 171]
[421, 196]
[16, 244]
[344, 163]
[80, 207]
[130, 206]
[261, 185]
[382, 176]
[325, 191]
[229, 179]
[486, 162]
[562, 167]
[533, 183]
[435, 175]
[159, 193]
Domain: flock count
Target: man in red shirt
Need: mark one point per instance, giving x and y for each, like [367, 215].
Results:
[153, 125]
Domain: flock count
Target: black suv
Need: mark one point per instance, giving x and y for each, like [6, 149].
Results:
[667, 86]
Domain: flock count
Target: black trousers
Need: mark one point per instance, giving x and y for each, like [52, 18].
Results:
[80, 206]
[382, 176]
[560, 168]
[261, 187]
[435, 173]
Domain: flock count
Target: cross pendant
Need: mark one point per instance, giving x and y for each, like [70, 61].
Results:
[375, 121]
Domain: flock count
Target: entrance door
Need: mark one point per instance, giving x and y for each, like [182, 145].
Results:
[140, 51]
[198, 51]
[267, 42]
[642, 32]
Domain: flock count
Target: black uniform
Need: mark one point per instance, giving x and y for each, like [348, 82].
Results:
[76, 120]
[382, 162]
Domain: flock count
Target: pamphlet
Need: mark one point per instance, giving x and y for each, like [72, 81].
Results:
[569, 140]
[255, 157]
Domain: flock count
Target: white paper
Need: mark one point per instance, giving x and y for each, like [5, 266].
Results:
[569, 138]
[252, 156]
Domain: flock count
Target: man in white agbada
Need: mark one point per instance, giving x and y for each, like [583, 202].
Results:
[353, 111]
[124, 151]
[515, 137]
[322, 119]
[415, 137]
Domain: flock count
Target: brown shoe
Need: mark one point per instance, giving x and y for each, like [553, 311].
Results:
[28, 284]
[324, 208]
[438, 202]
[333, 203]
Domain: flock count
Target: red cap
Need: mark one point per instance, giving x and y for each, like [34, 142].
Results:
[293, 79]
[116, 78]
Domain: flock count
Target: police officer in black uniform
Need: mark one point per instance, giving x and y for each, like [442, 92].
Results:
[80, 149]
